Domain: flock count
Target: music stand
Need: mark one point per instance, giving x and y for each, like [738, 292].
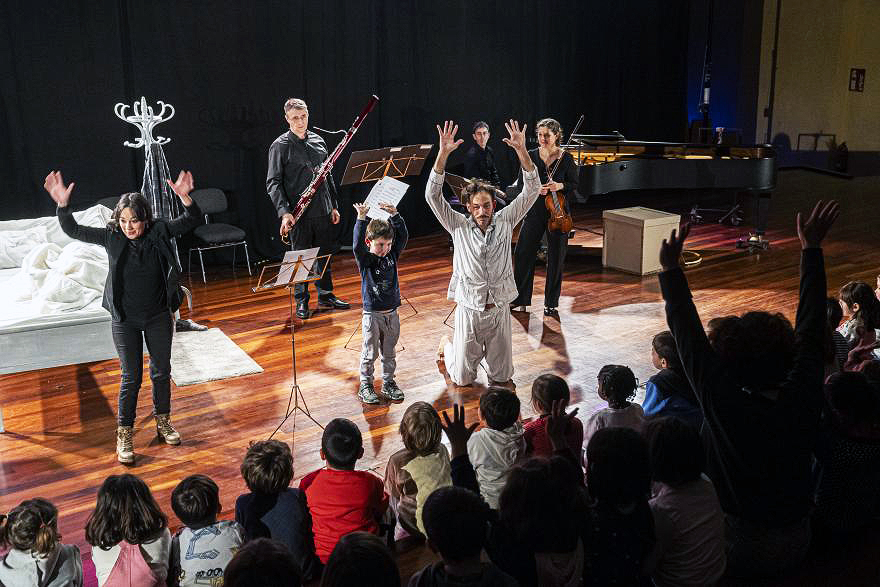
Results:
[394, 162]
[290, 274]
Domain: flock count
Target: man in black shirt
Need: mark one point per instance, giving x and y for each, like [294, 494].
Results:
[294, 158]
[479, 161]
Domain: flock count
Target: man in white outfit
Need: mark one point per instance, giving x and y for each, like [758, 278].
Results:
[482, 282]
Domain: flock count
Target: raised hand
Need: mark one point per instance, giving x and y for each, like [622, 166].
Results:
[60, 193]
[183, 186]
[813, 231]
[361, 210]
[457, 431]
[670, 249]
[516, 137]
[390, 208]
[557, 423]
[448, 143]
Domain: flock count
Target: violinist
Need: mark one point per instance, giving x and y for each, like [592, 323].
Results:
[559, 180]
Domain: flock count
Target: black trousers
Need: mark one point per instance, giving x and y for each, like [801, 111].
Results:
[525, 255]
[129, 340]
[306, 234]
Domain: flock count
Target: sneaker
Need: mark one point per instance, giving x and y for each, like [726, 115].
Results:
[391, 391]
[125, 444]
[366, 393]
[165, 431]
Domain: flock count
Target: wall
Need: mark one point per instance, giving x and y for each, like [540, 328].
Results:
[819, 41]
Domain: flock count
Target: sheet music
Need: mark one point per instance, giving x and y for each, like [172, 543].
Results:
[387, 190]
[286, 274]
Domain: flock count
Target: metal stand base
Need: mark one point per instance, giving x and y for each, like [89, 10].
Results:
[753, 242]
[296, 402]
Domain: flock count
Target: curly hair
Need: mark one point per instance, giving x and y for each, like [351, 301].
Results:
[474, 187]
[617, 385]
[757, 346]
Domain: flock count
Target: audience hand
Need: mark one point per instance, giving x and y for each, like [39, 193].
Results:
[361, 210]
[670, 249]
[557, 424]
[816, 227]
[60, 193]
[457, 431]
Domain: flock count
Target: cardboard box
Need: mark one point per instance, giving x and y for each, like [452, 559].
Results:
[633, 237]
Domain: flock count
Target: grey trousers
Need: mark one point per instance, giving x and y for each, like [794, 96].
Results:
[380, 330]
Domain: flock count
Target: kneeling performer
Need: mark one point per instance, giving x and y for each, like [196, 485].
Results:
[482, 274]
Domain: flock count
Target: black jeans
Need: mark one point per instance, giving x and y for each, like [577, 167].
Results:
[129, 340]
[308, 233]
[525, 255]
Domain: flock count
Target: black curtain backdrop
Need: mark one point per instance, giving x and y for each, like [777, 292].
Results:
[228, 66]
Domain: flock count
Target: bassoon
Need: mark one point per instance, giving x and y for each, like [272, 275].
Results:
[324, 170]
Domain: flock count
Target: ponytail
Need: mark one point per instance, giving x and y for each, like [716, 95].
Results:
[31, 526]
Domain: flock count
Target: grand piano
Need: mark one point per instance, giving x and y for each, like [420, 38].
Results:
[609, 163]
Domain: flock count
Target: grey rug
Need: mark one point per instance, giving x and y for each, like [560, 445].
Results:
[210, 355]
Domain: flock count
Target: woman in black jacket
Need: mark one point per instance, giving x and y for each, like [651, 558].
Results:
[142, 293]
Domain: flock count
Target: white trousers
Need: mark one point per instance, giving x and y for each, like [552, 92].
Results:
[480, 335]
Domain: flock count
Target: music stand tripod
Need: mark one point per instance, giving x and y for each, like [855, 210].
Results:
[299, 267]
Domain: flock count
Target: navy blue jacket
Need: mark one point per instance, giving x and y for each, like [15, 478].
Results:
[380, 289]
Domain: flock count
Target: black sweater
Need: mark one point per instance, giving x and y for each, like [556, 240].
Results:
[759, 445]
[158, 235]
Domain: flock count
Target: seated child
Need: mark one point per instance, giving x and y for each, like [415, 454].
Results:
[860, 303]
[688, 521]
[36, 555]
[545, 390]
[495, 448]
[377, 247]
[456, 522]
[617, 385]
[341, 499]
[619, 531]
[361, 558]
[848, 454]
[201, 549]
[668, 392]
[129, 535]
[837, 347]
[264, 562]
[417, 469]
[272, 509]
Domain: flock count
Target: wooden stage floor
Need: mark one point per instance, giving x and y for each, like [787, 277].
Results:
[60, 422]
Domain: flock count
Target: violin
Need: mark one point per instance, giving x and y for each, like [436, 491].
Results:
[560, 219]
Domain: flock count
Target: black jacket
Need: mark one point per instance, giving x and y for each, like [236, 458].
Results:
[759, 443]
[160, 232]
[292, 165]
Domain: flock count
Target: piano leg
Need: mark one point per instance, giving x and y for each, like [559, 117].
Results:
[756, 241]
[762, 208]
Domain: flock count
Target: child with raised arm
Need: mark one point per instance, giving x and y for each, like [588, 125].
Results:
[377, 246]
